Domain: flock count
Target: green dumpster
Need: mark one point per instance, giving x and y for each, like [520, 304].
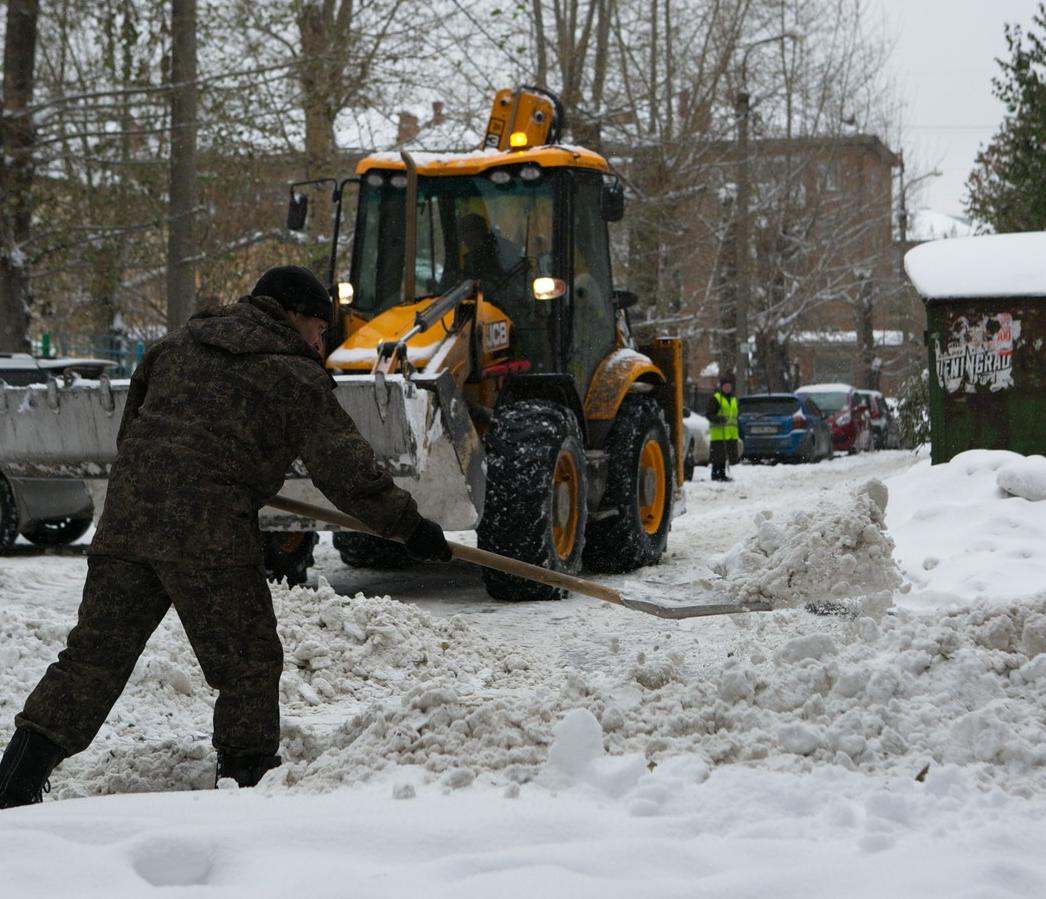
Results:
[986, 335]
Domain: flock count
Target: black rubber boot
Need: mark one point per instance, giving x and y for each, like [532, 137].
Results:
[27, 763]
[246, 770]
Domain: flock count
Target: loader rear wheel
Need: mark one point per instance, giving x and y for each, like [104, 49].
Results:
[8, 514]
[367, 551]
[535, 505]
[637, 506]
[288, 554]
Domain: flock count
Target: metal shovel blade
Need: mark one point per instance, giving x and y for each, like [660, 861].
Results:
[698, 598]
[709, 604]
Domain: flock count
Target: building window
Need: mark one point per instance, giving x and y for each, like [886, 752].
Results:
[827, 177]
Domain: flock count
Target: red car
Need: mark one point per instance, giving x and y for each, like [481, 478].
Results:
[847, 415]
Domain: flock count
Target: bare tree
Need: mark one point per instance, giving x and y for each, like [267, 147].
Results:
[822, 250]
[102, 163]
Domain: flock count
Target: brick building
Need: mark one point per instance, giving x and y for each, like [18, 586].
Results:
[828, 300]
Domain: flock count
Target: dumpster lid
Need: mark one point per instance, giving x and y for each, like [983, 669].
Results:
[992, 265]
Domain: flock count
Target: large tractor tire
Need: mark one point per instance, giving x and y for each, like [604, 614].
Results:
[808, 451]
[689, 464]
[638, 494]
[368, 551]
[535, 505]
[57, 531]
[8, 514]
[288, 554]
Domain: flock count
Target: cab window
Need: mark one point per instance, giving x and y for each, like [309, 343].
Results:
[591, 286]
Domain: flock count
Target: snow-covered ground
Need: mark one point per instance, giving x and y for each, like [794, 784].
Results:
[879, 733]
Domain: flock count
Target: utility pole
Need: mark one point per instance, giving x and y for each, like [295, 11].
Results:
[742, 238]
[902, 213]
[181, 244]
[743, 294]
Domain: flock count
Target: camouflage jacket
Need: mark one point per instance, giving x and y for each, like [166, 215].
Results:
[216, 414]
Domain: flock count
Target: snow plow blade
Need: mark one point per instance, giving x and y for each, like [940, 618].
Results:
[419, 429]
[691, 605]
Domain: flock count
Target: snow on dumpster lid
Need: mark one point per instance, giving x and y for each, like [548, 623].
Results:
[993, 265]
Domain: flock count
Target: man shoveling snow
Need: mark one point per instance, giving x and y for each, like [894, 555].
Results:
[216, 414]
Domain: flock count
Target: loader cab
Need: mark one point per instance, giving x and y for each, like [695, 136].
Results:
[534, 236]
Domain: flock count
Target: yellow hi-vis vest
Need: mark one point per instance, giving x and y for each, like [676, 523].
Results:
[728, 409]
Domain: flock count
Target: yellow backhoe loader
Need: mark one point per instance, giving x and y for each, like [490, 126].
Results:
[483, 350]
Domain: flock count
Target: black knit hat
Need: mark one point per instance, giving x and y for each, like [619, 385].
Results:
[296, 289]
[726, 379]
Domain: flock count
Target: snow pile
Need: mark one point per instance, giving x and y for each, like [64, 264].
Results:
[1024, 477]
[339, 651]
[965, 688]
[837, 550]
[959, 536]
[353, 647]
[376, 689]
[577, 756]
[374, 686]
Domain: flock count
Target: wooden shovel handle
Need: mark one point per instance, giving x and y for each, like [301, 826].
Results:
[460, 551]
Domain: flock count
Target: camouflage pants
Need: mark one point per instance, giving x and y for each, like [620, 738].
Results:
[227, 615]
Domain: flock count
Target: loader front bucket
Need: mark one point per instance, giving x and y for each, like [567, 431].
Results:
[419, 428]
[421, 432]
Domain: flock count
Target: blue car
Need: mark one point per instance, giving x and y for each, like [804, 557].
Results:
[783, 427]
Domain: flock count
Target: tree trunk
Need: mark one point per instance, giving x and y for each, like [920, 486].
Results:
[16, 173]
[866, 335]
[541, 75]
[644, 249]
[318, 74]
[181, 245]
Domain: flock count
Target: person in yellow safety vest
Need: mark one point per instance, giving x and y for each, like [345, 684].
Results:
[723, 433]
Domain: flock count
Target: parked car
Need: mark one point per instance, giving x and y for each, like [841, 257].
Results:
[884, 424]
[696, 449]
[847, 415]
[783, 427]
[21, 369]
[46, 511]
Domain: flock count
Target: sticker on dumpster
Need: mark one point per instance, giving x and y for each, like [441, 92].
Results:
[979, 354]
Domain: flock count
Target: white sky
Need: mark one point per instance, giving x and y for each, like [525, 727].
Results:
[943, 63]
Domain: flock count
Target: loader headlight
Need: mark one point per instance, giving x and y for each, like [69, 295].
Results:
[549, 288]
[345, 293]
[517, 140]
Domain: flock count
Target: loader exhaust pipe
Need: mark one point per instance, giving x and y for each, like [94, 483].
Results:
[410, 239]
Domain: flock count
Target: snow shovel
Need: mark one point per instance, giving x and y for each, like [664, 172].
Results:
[693, 604]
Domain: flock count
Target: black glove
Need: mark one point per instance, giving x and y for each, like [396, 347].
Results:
[427, 543]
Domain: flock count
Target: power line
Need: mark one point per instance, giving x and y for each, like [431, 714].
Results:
[956, 127]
